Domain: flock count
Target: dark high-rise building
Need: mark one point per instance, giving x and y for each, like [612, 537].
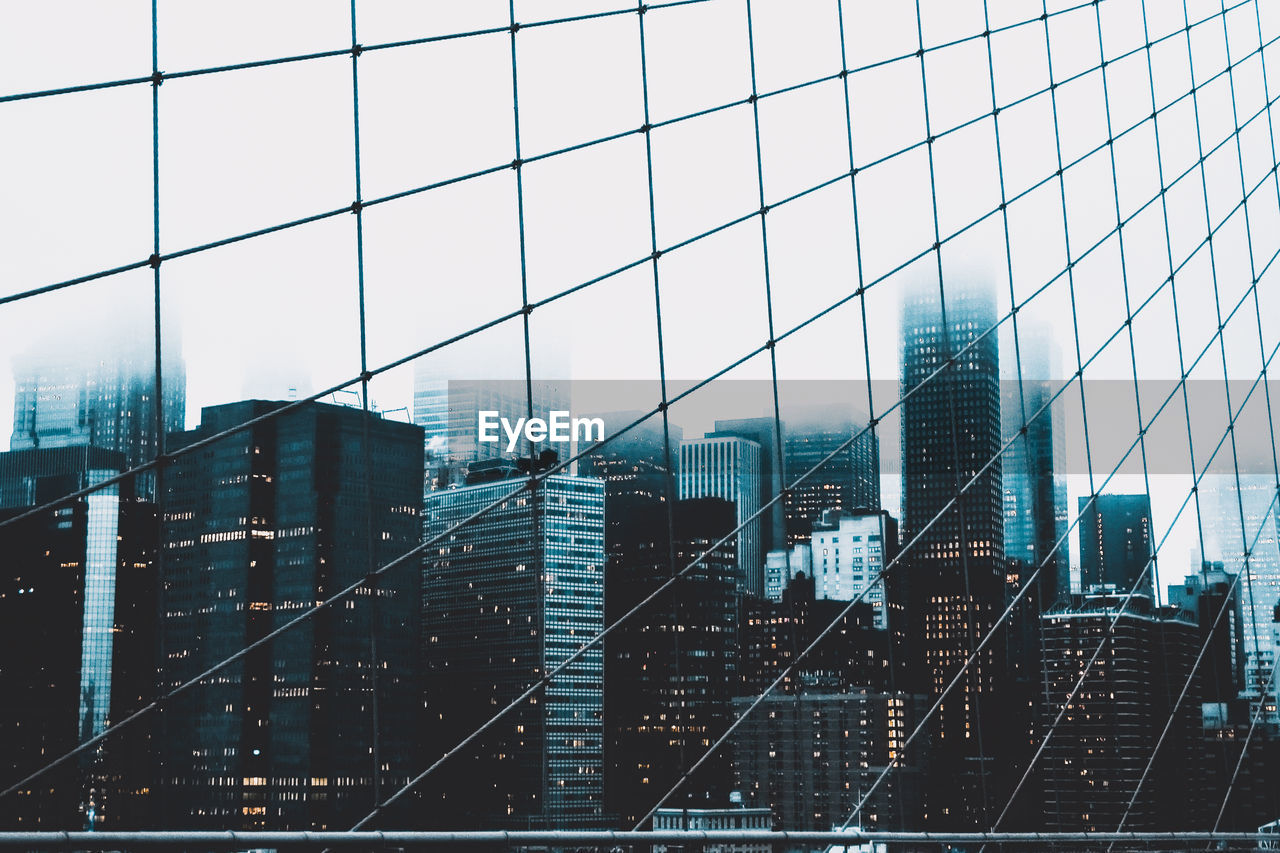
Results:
[258, 527]
[951, 585]
[77, 634]
[1201, 598]
[1115, 543]
[100, 392]
[1253, 783]
[814, 756]
[764, 432]
[849, 481]
[638, 471]
[853, 654]
[672, 668]
[507, 597]
[1097, 753]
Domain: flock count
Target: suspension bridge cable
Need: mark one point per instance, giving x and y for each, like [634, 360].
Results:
[1173, 714]
[420, 548]
[366, 374]
[973, 687]
[502, 318]
[669, 474]
[157, 258]
[906, 548]
[924, 720]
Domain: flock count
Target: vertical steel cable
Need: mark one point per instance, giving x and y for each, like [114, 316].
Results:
[535, 492]
[1253, 273]
[1173, 269]
[1038, 606]
[872, 421]
[1269, 687]
[1213, 270]
[1275, 180]
[1066, 242]
[365, 378]
[669, 480]
[371, 579]
[1247, 571]
[1183, 370]
[754, 99]
[1128, 307]
[973, 686]
[1070, 262]
[159, 783]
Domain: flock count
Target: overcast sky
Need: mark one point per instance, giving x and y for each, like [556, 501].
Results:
[249, 149]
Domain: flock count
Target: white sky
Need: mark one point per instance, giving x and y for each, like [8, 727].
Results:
[248, 149]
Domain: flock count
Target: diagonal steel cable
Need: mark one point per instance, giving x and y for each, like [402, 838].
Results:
[1173, 714]
[157, 258]
[862, 292]
[1150, 562]
[341, 594]
[502, 318]
[950, 504]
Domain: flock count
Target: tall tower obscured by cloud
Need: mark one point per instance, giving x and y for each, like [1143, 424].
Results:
[96, 387]
[954, 573]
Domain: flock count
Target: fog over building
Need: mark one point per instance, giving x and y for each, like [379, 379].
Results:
[99, 392]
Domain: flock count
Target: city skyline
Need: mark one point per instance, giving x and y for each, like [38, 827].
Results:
[998, 282]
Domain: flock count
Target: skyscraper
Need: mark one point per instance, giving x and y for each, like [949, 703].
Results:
[100, 392]
[849, 481]
[1035, 491]
[764, 432]
[728, 467]
[813, 756]
[1098, 752]
[448, 410]
[1200, 598]
[506, 598]
[852, 654]
[953, 578]
[672, 668]
[77, 633]
[1223, 509]
[259, 526]
[638, 471]
[1115, 543]
[849, 552]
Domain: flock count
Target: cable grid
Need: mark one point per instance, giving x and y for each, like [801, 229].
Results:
[1145, 291]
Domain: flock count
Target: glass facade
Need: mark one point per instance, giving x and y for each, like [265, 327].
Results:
[259, 527]
[77, 632]
[101, 540]
[850, 480]
[507, 598]
[728, 467]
